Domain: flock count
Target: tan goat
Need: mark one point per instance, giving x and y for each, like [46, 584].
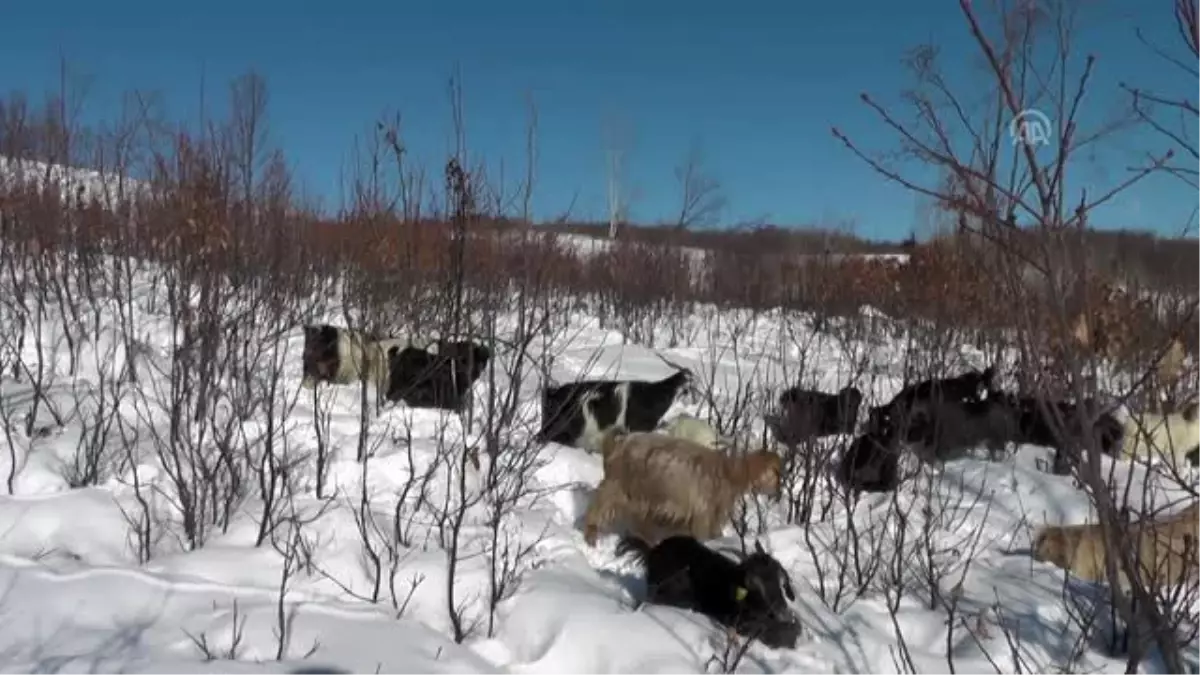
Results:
[1166, 548]
[662, 485]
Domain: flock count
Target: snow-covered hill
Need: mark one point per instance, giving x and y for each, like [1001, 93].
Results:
[73, 182]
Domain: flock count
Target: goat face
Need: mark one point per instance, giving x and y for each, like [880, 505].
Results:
[688, 391]
[882, 421]
[320, 358]
[768, 586]
[972, 384]
[1053, 545]
[765, 471]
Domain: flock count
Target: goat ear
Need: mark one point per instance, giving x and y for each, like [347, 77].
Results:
[788, 590]
[740, 593]
[758, 547]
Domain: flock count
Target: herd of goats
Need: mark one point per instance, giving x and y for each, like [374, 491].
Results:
[672, 484]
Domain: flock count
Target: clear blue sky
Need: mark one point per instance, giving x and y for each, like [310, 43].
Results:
[759, 83]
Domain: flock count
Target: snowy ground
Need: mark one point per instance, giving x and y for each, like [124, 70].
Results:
[76, 596]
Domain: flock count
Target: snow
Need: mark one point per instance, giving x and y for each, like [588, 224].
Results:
[82, 591]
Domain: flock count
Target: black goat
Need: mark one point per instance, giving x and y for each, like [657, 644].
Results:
[871, 463]
[806, 414]
[942, 430]
[973, 385]
[436, 379]
[747, 597]
[1063, 426]
[578, 413]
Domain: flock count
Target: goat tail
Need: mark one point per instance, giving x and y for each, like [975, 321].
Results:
[631, 545]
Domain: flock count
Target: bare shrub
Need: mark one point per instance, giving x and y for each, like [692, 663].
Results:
[1043, 264]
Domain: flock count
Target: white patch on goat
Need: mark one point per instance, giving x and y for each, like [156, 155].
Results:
[377, 363]
[592, 434]
[589, 437]
[694, 429]
[622, 403]
[349, 351]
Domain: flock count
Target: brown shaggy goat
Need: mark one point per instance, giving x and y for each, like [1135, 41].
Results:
[663, 485]
[1166, 548]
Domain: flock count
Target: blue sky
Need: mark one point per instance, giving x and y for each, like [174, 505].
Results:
[758, 84]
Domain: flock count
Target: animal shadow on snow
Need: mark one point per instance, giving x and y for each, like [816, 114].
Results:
[1029, 597]
[629, 581]
[124, 644]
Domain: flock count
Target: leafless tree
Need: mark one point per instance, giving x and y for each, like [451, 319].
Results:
[701, 201]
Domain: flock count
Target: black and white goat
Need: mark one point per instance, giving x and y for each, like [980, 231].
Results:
[441, 377]
[578, 413]
[973, 385]
[805, 414]
[338, 355]
[747, 597]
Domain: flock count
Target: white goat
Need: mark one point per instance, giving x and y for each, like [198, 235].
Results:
[696, 430]
[1172, 437]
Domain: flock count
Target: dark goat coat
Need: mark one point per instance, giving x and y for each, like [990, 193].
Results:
[571, 412]
[321, 359]
[973, 385]
[441, 379]
[747, 596]
[1061, 425]
[805, 414]
[943, 430]
[870, 464]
